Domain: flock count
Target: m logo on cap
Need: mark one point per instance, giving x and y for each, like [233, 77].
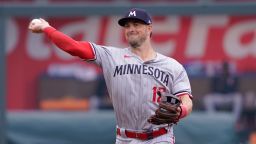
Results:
[132, 13]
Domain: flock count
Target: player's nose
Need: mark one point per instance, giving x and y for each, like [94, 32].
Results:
[131, 29]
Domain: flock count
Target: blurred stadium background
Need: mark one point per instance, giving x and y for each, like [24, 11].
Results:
[49, 97]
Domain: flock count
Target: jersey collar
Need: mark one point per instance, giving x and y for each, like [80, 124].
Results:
[130, 53]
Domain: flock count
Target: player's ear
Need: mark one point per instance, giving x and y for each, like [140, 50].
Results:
[150, 29]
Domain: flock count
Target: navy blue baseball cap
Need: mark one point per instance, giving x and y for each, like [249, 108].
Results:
[137, 14]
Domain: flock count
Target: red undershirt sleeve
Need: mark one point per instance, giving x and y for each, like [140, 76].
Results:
[83, 50]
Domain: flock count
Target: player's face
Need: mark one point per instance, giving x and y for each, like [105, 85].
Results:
[136, 32]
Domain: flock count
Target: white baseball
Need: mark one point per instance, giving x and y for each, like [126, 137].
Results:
[35, 21]
[35, 26]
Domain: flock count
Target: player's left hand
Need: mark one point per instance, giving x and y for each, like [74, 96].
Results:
[167, 113]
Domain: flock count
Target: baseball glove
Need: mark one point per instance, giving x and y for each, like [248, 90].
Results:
[169, 110]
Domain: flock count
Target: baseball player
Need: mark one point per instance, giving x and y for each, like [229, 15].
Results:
[137, 79]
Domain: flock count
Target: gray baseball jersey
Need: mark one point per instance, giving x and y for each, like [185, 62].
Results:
[133, 83]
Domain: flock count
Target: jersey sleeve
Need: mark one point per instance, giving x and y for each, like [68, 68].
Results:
[103, 54]
[181, 84]
[80, 49]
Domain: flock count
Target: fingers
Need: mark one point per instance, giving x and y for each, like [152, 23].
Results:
[45, 24]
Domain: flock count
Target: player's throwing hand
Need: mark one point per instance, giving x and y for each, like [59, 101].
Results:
[37, 25]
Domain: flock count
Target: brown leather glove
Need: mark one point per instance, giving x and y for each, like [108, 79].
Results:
[169, 110]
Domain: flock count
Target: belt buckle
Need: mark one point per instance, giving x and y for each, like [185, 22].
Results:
[150, 134]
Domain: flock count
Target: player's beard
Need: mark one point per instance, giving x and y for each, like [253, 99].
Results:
[135, 43]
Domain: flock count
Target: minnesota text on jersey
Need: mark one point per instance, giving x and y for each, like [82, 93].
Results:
[142, 69]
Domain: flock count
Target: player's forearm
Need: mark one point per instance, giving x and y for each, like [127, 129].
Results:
[187, 105]
[69, 45]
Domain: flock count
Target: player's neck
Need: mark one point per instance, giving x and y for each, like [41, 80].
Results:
[145, 52]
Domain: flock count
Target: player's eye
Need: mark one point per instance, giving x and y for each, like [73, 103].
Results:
[126, 25]
[137, 24]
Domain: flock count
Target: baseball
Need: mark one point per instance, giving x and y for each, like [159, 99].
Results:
[34, 26]
[35, 21]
